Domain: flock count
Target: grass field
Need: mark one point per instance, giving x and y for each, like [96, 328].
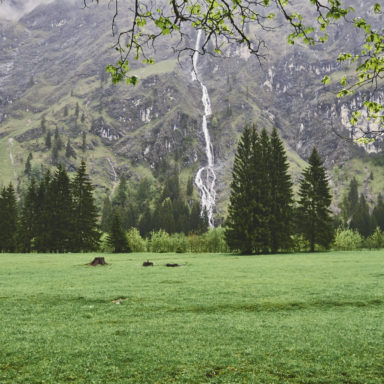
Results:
[217, 319]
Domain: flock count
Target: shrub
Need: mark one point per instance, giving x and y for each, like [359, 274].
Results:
[376, 240]
[215, 241]
[160, 241]
[104, 245]
[196, 243]
[299, 244]
[347, 240]
[135, 241]
[179, 243]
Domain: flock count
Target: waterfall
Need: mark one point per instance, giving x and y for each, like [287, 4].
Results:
[205, 177]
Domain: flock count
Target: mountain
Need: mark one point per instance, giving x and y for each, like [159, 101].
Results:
[52, 77]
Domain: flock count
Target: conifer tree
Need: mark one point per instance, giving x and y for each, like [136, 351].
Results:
[195, 218]
[59, 206]
[314, 220]
[240, 225]
[106, 215]
[121, 192]
[378, 212]
[84, 141]
[261, 191]
[281, 220]
[146, 222]
[165, 216]
[361, 219]
[350, 201]
[117, 239]
[48, 139]
[42, 125]
[42, 218]
[85, 216]
[28, 218]
[58, 141]
[28, 167]
[69, 151]
[8, 219]
[77, 110]
[190, 186]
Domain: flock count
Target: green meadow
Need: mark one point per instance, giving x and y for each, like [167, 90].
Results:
[302, 318]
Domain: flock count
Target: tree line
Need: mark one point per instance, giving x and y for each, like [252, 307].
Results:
[262, 215]
[355, 212]
[57, 215]
[149, 209]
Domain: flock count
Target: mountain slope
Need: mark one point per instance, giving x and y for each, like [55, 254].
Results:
[53, 64]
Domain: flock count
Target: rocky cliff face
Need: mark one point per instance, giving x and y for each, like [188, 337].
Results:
[52, 62]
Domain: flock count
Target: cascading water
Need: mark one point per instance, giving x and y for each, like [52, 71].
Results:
[205, 177]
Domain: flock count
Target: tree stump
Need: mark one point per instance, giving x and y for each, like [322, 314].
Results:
[147, 264]
[97, 261]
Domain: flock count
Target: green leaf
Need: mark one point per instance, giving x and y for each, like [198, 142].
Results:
[326, 80]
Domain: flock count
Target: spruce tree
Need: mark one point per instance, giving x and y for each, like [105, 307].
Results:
[59, 212]
[190, 186]
[361, 219]
[69, 151]
[239, 231]
[42, 219]
[8, 219]
[194, 218]
[378, 212]
[28, 218]
[146, 222]
[281, 220]
[350, 201]
[28, 167]
[261, 191]
[121, 196]
[48, 139]
[84, 141]
[314, 220]
[106, 215]
[85, 216]
[166, 219]
[43, 125]
[117, 239]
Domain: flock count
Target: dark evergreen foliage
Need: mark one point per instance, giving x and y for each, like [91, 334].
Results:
[243, 204]
[43, 125]
[85, 216]
[28, 167]
[106, 216]
[59, 212]
[8, 219]
[190, 186]
[27, 223]
[378, 212]
[48, 139]
[314, 219]
[69, 151]
[117, 239]
[84, 141]
[58, 215]
[350, 201]
[281, 220]
[260, 210]
[361, 219]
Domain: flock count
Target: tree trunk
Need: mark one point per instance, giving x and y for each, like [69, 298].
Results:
[97, 261]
